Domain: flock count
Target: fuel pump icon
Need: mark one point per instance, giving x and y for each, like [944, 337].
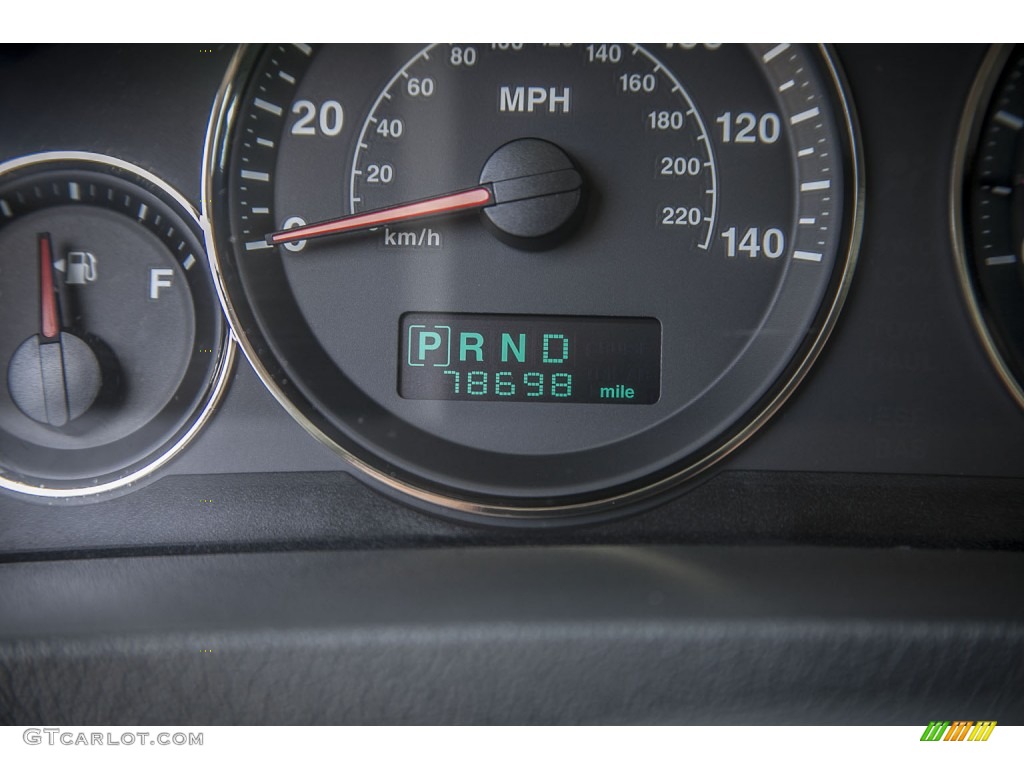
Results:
[81, 268]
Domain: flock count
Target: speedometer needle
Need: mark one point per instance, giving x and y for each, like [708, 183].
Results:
[466, 199]
[519, 188]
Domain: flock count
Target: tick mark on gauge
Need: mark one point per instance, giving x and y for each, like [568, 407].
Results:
[998, 261]
[1009, 120]
[806, 255]
[786, 86]
[811, 186]
[286, 77]
[270, 107]
[305, 48]
[805, 115]
[778, 49]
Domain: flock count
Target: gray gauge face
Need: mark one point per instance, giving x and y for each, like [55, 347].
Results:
[111, 340]
[532, 281]
[988, 200]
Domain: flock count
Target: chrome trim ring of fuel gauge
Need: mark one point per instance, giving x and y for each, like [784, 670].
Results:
[114, 347]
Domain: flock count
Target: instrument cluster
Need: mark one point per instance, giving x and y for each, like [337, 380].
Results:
[506, 284]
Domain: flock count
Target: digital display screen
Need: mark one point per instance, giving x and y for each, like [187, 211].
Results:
[530, 358]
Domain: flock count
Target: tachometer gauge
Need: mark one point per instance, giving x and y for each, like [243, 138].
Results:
[988, 211]
[113, 348]
[532, 281]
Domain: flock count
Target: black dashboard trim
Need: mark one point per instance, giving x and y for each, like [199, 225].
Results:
[610, 634]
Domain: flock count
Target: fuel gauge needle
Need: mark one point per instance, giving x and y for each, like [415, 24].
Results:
[50, 322]
[451, 202]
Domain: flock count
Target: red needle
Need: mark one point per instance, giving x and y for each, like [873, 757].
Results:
[48, 299]
[477, 197]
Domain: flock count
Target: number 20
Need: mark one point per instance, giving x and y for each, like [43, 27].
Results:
[332, 118]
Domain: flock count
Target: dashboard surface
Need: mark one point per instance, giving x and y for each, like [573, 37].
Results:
[851, 532]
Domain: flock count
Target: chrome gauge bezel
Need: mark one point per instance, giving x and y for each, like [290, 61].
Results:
[963, 158]
[216, 224]
[217, 384]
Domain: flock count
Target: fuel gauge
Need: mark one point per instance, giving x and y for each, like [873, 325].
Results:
[113, 349]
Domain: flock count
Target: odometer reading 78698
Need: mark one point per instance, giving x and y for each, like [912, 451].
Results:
[530, 358]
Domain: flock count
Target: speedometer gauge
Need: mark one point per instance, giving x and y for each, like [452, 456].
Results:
[532, 281]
